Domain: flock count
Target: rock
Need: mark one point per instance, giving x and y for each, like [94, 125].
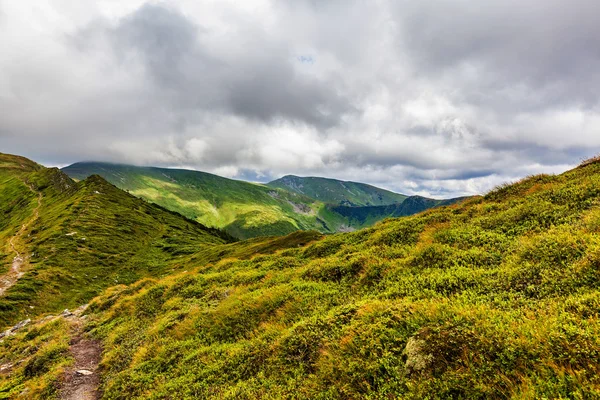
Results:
[20, 325]
[5, 367]
[66, 313]
[47, 318]
[80, 310]
[417, 359]
[84, 372]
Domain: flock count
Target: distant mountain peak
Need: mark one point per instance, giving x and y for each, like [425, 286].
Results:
[338, 192]
[247, 210]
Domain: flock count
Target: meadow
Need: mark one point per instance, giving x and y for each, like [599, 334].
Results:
[496, 297]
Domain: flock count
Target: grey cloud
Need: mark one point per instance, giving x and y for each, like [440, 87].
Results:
[435, 97]
[544, 155]
[551, 48]
[163, 37]
[258, 82]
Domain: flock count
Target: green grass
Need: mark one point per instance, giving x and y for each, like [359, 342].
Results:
[336, 192]
[16, 201]
[91, 235]
[35, 360]
[496, 297]
[88, 236]
[248, 210]
[243, 209]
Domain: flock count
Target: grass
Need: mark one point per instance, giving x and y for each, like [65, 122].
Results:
[88, 236]
[243, 209]
[493, 298]
[247, 210]
[335, 192]
[496, 297]
[34, 361]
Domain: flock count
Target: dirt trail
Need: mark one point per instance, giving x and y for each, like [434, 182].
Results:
[16, 270]
[82, 380]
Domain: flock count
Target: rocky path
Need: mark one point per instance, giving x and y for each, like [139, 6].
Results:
[82, 380]
[16, 269]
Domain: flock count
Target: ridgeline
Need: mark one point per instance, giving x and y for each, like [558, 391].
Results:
[496, 297]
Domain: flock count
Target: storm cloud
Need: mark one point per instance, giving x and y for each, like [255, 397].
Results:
[436, 97]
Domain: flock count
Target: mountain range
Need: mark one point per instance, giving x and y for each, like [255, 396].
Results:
[493, 297]
[246, 210]
[336, 192]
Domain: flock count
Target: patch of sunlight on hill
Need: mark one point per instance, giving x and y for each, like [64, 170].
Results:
[256, 215]
[200, 210]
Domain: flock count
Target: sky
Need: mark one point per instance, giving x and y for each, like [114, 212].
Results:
[435, 97]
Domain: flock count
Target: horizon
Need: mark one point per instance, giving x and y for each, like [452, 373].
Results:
[238, 179]
[300, 176]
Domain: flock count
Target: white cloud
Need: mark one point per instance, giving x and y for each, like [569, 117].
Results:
[436, 97]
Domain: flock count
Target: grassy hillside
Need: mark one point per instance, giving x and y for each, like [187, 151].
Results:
[242, 209]
[247, 210]
[497, 297]
[82, 238]
[17, 200]
[333, 191]
[77, 239]
[35, 360]
[368, 215]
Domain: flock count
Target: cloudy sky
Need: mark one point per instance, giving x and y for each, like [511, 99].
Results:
[434, 97]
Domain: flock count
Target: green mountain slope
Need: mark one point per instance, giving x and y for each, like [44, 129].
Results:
[242, 209]
[64, 242]
[247, 210]
[368, 215]
[333, 191]
[71, 240]
[493, 298]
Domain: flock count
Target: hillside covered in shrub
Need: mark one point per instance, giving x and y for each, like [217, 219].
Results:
[496, 297]
[74, 240]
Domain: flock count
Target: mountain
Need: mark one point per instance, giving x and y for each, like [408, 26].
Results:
[495, 297]
[333, 191]
[242, 209]
[63, 242]
[247, 210]
[368, 215]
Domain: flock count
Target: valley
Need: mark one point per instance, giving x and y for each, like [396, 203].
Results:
[336, 192]
[492, 297]
[246, 210]
[299, 200]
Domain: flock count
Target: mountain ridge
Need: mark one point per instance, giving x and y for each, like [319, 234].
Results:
[493, 297]
[243, 209]
[62, 231]
[338, 192]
